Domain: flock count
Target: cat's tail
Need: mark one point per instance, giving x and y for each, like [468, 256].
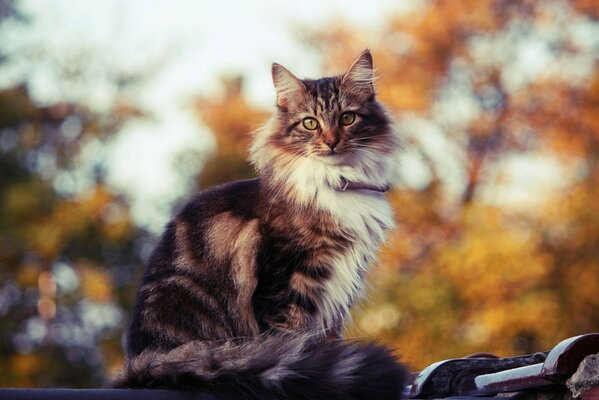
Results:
[272, 367]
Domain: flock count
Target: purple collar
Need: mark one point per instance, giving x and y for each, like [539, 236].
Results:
[348, 185]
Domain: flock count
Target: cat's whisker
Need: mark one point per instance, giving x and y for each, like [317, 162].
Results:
[365, 146]
[364, 137]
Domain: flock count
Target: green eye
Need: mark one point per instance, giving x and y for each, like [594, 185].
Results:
[347, 118]
[310, 123]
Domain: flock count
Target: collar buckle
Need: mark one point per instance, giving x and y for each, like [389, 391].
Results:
[345, 183]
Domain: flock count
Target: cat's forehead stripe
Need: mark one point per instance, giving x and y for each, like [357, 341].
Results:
[325, 92]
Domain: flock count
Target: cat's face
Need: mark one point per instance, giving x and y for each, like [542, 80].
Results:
[330, 119]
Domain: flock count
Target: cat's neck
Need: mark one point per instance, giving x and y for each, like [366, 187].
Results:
[311, 189]
[306, 181]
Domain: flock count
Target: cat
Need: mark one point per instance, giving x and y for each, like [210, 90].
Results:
[247, 292]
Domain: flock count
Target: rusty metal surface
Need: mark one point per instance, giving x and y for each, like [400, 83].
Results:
[592, 394]
[511, 380]
[491, 376]
[445, 378]
[563, 360]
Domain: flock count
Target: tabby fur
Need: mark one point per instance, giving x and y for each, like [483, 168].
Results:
[248, 289]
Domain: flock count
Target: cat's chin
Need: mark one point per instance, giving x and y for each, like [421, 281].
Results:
[334, 159]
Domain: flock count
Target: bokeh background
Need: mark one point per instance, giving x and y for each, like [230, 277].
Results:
[112, 113]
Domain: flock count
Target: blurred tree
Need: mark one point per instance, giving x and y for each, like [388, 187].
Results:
[495, 80]
[468, 269]
[231, 120]
[68, 250]
[68, 257]
[7, 9]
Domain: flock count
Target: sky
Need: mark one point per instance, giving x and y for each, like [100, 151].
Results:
[189, 45]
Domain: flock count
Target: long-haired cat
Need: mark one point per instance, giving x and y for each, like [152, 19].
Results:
[249, 286]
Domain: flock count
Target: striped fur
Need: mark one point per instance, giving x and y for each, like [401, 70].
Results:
[272, 367]
[250, 285]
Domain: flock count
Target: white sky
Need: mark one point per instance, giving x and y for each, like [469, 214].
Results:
[200, 40]
[197, 42]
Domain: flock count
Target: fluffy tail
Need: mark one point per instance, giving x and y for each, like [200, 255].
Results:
[273, 367]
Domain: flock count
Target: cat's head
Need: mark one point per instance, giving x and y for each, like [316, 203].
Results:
[336, 121]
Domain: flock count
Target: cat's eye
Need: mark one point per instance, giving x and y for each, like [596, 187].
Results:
[347, 118]
[310, 123]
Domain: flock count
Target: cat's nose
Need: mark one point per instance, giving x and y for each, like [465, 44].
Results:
[331, 140]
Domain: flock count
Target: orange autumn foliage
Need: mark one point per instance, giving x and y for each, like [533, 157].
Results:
[468, 270]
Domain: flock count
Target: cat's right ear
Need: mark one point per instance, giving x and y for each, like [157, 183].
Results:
[360, 76]
[286, 84]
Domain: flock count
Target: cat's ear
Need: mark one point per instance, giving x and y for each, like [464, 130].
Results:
[286, 84]
[360, 76]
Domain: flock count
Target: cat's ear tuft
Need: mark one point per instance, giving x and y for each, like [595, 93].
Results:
[361, 74]
[286, 85]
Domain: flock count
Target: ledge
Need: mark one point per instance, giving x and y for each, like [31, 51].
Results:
[571, 367]
[101, 394]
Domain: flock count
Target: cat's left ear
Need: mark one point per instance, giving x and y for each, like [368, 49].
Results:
[360, 76]
[286, 84]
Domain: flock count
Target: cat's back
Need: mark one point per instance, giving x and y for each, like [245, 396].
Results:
[204, 234]
[239, 198]
[200, 277]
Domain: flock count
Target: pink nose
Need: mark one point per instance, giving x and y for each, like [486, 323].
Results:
[331, 140]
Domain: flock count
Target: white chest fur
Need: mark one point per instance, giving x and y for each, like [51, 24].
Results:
[365, 214]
